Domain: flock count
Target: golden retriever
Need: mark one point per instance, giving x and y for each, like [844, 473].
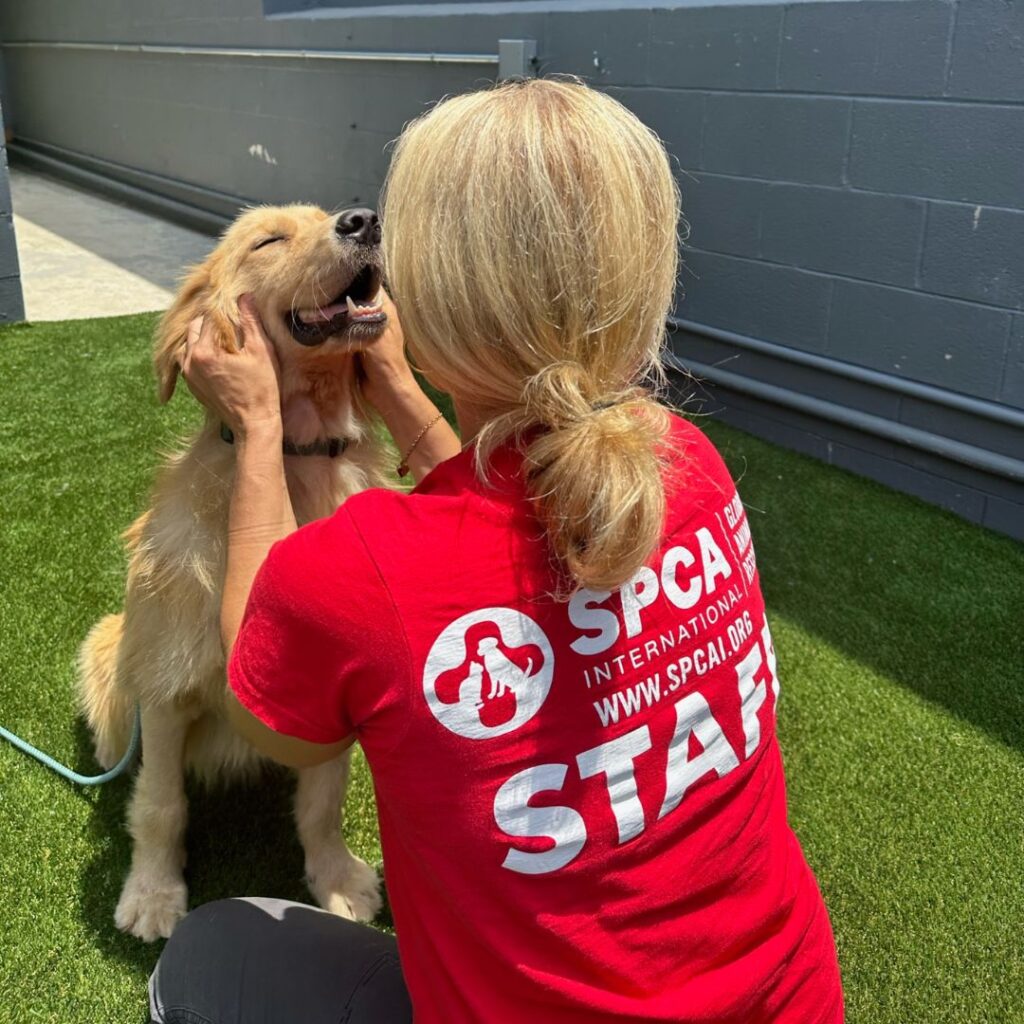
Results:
[317, 285]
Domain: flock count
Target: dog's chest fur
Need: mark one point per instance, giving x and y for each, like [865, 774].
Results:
[178, 551]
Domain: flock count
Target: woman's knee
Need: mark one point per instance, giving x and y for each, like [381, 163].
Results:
[237, 960]
[200, 967]
[211, 925]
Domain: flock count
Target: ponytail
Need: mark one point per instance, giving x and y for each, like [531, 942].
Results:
[594, 472]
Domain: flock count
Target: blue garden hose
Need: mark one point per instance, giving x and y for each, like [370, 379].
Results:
[67, 773]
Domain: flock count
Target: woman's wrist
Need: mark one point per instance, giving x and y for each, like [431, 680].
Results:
[260, 431]
[393, 391]
[422, 438]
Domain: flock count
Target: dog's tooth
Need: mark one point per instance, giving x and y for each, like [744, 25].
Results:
[352, 307]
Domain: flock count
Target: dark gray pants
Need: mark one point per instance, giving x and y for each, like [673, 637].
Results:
[263, 961]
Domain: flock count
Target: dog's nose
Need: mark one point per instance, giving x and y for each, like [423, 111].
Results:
[359, 225]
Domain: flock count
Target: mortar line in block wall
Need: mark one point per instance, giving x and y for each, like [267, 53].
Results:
[1007, 351]
[859, 189]
[947, 69]
[919, 269]
[835, 275]
[860, 97]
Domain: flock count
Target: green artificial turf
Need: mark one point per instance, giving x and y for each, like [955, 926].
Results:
[898, 632]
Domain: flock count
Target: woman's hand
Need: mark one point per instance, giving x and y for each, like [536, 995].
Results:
[387, 377]
[421, 437]
[242, 388]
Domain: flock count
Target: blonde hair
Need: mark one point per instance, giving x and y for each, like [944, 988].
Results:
[530, 242]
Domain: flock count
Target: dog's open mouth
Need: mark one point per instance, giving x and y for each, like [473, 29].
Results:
[355, 311]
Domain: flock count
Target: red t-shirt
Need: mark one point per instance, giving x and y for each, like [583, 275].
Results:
[582, 806]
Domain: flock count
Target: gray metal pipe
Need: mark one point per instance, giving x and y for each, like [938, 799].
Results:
[265, 54]
[914, 389]
[957, 451]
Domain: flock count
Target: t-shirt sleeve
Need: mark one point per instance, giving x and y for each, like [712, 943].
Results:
[318, 635]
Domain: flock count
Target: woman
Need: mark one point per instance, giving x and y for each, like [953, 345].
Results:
[553, 651]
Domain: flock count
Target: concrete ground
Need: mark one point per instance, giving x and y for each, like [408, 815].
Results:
[84, 256]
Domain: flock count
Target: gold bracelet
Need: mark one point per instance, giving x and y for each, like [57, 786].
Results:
[403, 466]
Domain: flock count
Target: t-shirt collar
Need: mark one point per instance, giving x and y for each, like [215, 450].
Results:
[458, 474]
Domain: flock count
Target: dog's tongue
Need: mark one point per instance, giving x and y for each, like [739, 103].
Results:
[323, 314]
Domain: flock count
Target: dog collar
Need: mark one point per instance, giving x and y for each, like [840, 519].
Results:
[332, 447]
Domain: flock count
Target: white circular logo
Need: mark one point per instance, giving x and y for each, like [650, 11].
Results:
[488, 673]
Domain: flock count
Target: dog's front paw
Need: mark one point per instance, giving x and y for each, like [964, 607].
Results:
[344, 885]
[149, 909]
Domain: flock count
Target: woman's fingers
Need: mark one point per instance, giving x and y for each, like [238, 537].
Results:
[254, 336]
[239, 385]
[201, 349]
[200, 340]
[249, 320]
[202, 344]
[195, 327]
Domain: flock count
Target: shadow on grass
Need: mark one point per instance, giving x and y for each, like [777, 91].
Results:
[909, 590]
[99, 884]
[241, 842]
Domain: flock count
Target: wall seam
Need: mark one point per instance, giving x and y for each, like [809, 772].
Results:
[649, 51]
[985, 498]
[760, 221]
[844, 174]
[703, 129]
[941, 101]
[829, 309]
[947, 71]
[778, 44]
[859, 189]
[1006, 358]
[919, 271]
[837, 276]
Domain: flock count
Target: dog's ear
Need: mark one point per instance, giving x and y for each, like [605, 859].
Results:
[195, 298]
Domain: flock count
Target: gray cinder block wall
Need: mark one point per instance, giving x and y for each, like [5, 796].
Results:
[854, 176]
[12, 307]
[852, 170]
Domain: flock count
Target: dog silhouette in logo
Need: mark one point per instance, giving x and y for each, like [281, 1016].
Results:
[492, 676]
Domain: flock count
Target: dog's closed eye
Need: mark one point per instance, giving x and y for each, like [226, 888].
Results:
[268, 241]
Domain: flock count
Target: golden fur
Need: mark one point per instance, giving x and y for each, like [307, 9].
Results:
[164, 650]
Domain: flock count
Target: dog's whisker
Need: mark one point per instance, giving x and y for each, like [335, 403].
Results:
[316, 287]
[294, 307]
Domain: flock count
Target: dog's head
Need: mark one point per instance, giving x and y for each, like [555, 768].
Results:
[315, 278]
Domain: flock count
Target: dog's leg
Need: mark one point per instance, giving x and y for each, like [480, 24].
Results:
[153, 899]
[340, 881]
